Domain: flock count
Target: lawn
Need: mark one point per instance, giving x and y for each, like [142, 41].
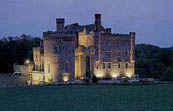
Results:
[88, 98]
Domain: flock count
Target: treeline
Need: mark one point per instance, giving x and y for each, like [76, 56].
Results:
[151, 61]
[16, 50]
[155, 62]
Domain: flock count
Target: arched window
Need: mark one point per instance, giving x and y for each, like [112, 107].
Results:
[109, 65]
[104, 65]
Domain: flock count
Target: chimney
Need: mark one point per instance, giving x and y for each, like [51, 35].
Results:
[97, 23]
[60, 24]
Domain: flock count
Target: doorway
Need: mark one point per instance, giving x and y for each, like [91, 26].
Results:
[88, 71]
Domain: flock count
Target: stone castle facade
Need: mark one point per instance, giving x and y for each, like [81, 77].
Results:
[77, 52]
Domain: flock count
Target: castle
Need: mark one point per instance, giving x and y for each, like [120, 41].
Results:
[77, 52]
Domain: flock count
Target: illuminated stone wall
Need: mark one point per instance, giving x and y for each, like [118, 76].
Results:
[37, 77]
[110, 55]
[81, 53]
[85, 39]
[59, 58]
[116, 56]
[38, 58]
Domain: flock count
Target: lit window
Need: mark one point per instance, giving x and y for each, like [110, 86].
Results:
[109, 65]
[48, 65]
[104, 65]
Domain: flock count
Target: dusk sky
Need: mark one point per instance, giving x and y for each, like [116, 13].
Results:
[152, 20]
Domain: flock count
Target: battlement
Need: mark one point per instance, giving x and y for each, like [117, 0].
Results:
[60, 24]
[115, 35]
[131, 34]
[60, 20]
[58, 34]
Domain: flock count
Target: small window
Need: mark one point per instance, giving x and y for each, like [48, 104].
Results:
[42, 66]
[109, 54]
[109, 65]
[119, 65]
[126, 65]
[104, 65]
[66, 66]
[97, 66]
[119, 59]
[57, 49]
[35, 55]
[126, 53]
[48, 65]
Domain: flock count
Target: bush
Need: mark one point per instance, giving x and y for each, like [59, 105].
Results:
[168, 74]
[94, 79]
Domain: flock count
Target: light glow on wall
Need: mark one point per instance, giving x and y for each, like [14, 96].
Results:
[99, 74]
[129, 74]
[114, 75]
[27, 61]
[65, 78]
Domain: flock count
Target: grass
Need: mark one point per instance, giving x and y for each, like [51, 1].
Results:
[88, 98]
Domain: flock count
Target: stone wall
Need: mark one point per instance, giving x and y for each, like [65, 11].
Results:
[38, 59]
[24, 69]
[59, 58]
[116, 56]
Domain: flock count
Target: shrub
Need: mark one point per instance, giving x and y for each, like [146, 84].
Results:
[94, 79]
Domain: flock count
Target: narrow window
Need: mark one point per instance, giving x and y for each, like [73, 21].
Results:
[119, 59]
[48, 65]
[42, 66]
[119, 65]
[57, 49]
[109, 54]
[109, 65]
[35, 55]
[97, 67]
[126, 65]
[103, 65]
[66, 66]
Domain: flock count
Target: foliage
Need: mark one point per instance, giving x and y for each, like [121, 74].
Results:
[16, 50]
[94, 79]
[168, 74]
[152, 61]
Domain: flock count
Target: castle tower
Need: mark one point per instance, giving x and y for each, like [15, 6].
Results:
[59, 57]
[60, 24]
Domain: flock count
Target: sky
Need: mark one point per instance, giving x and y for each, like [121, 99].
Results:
[152, 20]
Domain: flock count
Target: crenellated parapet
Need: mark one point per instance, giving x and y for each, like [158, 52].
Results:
[58, 34]
[115, 35]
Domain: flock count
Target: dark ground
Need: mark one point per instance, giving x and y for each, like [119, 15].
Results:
[88, 98]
